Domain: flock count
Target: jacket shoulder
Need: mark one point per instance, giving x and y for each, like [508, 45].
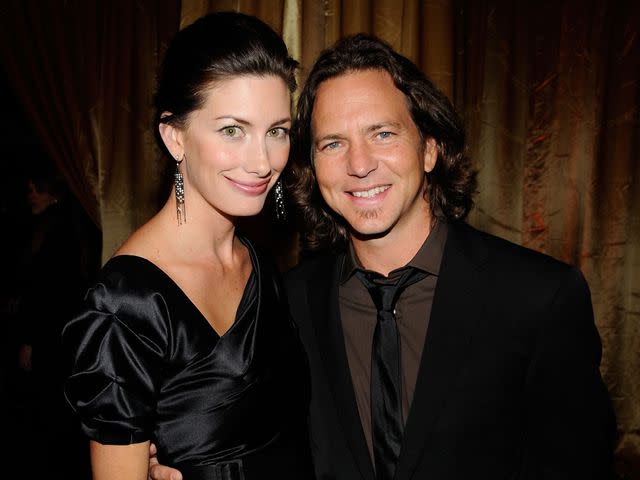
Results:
[503, 253]
[521, 270]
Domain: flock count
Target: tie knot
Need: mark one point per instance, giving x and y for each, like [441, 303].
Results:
[385, 293]
[385, 297]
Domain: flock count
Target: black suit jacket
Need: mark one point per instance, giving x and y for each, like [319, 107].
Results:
[509, 384]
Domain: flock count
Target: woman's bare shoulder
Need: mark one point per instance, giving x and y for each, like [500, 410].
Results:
[148, 241]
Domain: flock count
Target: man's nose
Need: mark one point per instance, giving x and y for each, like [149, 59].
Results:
[361, 161]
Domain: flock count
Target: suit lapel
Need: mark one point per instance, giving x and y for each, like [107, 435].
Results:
[325, 313]
[453, 318]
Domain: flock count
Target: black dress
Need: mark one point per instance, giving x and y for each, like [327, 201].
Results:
[147, 365]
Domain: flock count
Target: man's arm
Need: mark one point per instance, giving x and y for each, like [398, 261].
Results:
[570, 423]
[160, 472]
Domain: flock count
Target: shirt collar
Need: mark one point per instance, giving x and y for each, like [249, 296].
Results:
[428, 257]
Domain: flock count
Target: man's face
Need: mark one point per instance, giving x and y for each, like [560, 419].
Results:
[369, 158]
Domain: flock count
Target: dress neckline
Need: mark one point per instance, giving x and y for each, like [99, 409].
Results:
[242, 305]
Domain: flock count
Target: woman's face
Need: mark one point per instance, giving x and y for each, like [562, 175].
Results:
[236, 145]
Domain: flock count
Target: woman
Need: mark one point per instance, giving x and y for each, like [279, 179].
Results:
[185, 340]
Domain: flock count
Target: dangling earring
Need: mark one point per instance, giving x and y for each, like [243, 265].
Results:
[278, 194]
[178, 182]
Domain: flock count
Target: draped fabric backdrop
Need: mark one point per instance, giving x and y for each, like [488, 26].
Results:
[549, 92]
[85, 71]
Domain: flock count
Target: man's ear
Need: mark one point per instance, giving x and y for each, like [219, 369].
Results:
[172, 138]
[430, 154]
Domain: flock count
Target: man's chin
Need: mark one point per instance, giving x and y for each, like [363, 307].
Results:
[370, 232]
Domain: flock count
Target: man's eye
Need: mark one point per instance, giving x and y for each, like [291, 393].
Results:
[385, 134]
[330, 146]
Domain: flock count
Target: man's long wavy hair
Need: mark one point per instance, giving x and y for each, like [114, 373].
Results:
[451, 184]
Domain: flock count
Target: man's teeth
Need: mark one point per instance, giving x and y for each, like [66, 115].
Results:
[370, 193]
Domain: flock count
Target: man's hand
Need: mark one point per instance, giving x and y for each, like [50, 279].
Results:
[160, 472]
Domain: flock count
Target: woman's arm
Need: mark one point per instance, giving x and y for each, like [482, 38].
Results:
[117, 462]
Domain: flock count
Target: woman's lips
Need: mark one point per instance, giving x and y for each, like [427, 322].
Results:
[252, 188]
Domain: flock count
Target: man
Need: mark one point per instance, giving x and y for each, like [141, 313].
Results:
[487, 364]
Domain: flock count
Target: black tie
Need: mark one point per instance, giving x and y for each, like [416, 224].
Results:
[386, 379]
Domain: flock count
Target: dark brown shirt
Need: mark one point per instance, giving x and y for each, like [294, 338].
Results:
[413, 309]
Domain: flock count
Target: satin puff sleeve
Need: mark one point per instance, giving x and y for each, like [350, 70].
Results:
[116, 346]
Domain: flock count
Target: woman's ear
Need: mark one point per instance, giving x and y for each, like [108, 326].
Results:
[430, 154]
[172, 138]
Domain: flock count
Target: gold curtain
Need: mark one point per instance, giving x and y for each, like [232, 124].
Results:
[550, 96]
[85, 72]
[308, 26]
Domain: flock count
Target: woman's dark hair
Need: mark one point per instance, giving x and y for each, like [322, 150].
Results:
[212, 49]
[452, 182]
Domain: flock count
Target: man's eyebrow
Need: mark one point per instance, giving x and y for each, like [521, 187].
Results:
[329, 136]
[378, 126]
[371, 128]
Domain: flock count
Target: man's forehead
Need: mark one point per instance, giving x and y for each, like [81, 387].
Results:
[368, 97]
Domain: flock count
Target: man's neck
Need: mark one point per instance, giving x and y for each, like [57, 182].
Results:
[392, 251]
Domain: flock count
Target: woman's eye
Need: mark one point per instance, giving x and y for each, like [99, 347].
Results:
[231, 131]
[278, 132]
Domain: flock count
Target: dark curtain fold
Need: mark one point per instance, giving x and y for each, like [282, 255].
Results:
[85, 72]
[46, 61]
